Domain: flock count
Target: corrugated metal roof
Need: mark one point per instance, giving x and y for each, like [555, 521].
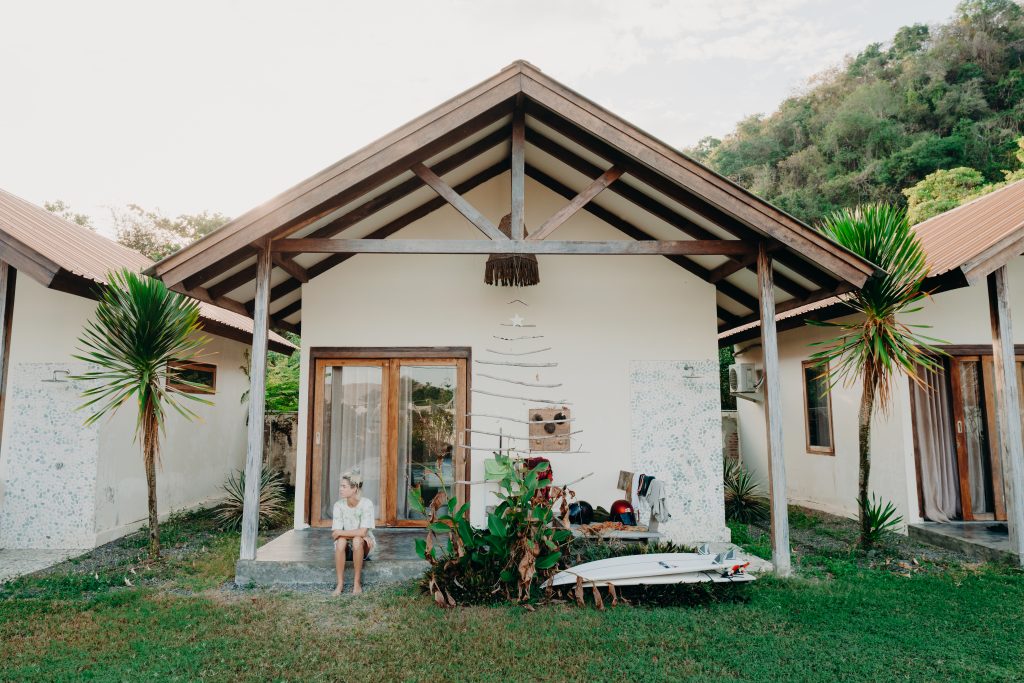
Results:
[954, 239]
[89, 255]
[959, 236]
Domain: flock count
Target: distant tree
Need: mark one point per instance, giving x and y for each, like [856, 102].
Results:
[62, 209]
[941, 191]
[158, 236]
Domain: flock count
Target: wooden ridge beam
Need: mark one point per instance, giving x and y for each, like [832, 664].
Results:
[578, 202]
[656, 208]
[428, 207]
[518, 176]
[726, 288]
[372, 206]
[428, 246]
[670, 189]
[458, 202]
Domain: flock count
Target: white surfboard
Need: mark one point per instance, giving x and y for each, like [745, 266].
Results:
[647, 566]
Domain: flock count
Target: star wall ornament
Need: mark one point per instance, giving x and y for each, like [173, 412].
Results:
[517, 320]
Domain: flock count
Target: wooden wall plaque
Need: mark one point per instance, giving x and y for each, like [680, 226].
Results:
[546, 435]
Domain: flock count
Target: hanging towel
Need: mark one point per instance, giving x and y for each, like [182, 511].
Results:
[656, 499]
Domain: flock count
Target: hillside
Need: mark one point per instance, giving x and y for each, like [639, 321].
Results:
[934, 97]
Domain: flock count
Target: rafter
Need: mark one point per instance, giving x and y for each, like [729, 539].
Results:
[427, 246]
[458, 202]
[288, 265]
[577, 203]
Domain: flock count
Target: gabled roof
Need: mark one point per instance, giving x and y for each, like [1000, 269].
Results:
[65, 256]
[661, 195]
[962, 247]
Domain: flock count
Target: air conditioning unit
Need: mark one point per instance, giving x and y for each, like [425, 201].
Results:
[744, 378]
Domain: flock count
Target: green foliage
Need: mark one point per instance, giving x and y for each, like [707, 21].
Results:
[273, 506]
[876, 344]
[725, 359]
[282, 392]
[62, 209]
[744, 501]
[158, 236]
[507, 560]
[882, 519]
[941, 191]
[936, 98]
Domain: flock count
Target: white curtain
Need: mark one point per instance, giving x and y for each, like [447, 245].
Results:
[405, 413]
[936, 442]
[355, 431]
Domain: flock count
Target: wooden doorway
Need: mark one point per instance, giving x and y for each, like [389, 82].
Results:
[976, 428]
[391, 414]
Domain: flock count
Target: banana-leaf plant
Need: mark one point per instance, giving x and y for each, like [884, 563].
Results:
[511, 556]
[876, 345]
[140, 328]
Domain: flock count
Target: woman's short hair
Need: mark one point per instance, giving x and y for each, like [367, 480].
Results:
[354, 479]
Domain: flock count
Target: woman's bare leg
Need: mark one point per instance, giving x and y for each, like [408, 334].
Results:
[339, 564]
[358, 548]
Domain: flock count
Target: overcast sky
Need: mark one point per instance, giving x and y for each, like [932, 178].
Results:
[185, 106]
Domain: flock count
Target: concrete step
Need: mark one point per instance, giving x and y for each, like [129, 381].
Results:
[297, 573]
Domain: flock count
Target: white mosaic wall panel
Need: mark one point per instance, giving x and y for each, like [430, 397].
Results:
[49, 461]
[676, 435]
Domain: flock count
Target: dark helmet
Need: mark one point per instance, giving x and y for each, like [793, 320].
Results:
[581, 513]
[622, 511]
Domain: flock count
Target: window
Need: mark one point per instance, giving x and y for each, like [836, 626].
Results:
[204, 374]
[817, 409]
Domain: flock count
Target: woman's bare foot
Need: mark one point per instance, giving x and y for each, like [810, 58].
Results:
[357, 589]
[337, 591]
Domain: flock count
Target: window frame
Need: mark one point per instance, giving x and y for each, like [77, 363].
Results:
[192, 365]
[816, 450]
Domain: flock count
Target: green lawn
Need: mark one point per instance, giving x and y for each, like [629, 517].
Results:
[844, 617]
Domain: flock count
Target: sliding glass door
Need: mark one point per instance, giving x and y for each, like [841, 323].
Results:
[399, 421]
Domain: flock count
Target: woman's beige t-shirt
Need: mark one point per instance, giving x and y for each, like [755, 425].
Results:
[348, 518]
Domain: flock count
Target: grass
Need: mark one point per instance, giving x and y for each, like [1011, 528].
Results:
[846, 616]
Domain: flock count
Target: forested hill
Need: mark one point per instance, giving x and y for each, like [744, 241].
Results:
[936, 97]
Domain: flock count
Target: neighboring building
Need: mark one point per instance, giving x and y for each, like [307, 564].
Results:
[935, 453]
[64, 485]
[634, 336]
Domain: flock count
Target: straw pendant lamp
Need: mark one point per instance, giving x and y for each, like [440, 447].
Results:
[511, 270]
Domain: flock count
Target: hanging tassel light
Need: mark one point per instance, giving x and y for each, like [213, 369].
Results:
[511, 270]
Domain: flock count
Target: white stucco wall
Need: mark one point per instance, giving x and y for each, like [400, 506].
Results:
[72, 473]
[830, 482]
[598, 313]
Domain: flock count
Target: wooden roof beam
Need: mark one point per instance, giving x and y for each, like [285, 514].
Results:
[577, 203]
[458, 203]
[288, 265]
[507, 246]
[517, 214]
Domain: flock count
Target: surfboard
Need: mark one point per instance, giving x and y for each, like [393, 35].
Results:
[645, 566]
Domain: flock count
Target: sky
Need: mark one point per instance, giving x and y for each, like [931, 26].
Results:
[189, 106]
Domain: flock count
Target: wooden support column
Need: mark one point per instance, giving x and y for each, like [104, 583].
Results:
[518, 171]
[8, 278]
[1011, 447]
[257, 397]
[773, 415]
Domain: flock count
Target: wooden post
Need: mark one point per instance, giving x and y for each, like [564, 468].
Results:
[257, 398]
[773, 414]
[1008, 407]
[8, 278]
[518, 171]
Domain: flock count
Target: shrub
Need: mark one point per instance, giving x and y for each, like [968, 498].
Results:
[510, 558]
[743, 499]
[273, 500]
[881, 520]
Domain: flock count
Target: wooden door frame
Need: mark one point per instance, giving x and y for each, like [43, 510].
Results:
[462, 354]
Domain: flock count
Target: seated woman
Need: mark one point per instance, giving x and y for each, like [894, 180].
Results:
[352, 530]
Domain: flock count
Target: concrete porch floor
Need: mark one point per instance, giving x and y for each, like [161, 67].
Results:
[977, 539]
[306, 557]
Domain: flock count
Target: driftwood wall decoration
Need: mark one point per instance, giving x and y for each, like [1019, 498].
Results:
[549, 429]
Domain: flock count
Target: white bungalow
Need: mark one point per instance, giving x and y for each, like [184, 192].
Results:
[63, 485]
[643, 255]
[940, 454]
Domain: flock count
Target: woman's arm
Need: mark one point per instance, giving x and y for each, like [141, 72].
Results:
[349, 533]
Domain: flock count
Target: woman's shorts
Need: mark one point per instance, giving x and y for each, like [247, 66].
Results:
[367, 549]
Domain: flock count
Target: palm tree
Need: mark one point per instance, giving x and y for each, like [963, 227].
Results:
[140, 327]
[876, 345]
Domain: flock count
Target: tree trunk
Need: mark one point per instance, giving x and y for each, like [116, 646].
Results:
[150, 452]
[867, 406]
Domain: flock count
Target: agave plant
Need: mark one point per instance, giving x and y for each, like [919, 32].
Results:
[882, 519]
[743, 500]
[273, 500]
[877, 345]
[140, 327]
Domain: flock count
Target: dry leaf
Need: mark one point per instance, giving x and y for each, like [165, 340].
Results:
[597, 597]
[579, 591]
